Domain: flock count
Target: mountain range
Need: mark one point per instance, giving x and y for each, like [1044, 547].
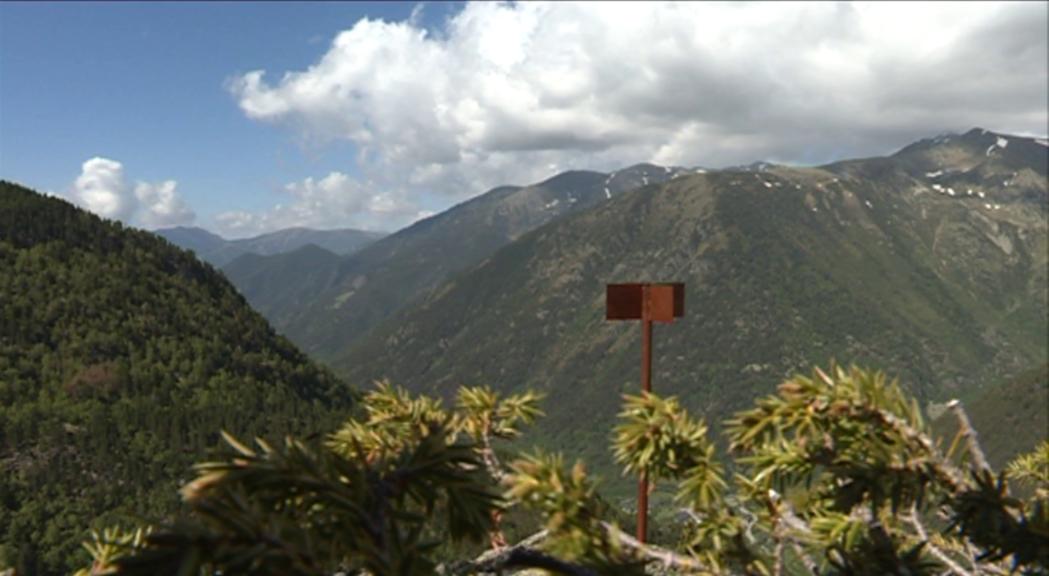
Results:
[122, 355]
[929, 263]
[341, 299]
[219, 251]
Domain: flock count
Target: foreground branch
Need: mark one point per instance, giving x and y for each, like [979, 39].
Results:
[932, 548]
[515, 558]
[666, 557]
[494, 561]
[972, 440]
[524, 555]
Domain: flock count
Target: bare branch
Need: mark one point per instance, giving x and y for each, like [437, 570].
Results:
[666, 557]
[947, 472]
[935, 550]
[972, 440]
[491, 461]
[786, 518]
[498, 473]
[524, 555]
[809, 563]
[491, 560]
[777, 555]
[514, 558]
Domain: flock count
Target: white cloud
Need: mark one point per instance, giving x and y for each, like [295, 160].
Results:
[101, 188]
[504, 90]
[335, 201]
[160, 205]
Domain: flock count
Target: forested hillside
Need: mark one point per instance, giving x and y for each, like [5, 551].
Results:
[281, 285]
[121, 358]
[930, 263]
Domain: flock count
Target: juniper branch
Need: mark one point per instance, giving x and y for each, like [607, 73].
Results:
[972, 440]
[940, 555]
[666, 557]
[519, 556]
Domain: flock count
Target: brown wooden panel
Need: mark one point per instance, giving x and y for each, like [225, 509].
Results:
[660, 303]
[679, 299]
[623, 302]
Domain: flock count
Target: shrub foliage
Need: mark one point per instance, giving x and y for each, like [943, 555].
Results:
[836, 473]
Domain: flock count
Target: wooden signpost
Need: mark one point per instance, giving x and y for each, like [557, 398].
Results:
[648, 303]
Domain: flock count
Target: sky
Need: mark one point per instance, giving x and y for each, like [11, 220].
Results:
[245, 118]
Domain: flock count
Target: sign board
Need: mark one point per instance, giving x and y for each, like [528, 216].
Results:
[655, 302]
[623, 301]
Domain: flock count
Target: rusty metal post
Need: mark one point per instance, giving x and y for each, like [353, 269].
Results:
[646, 387]
[646, 355]
[648, 303]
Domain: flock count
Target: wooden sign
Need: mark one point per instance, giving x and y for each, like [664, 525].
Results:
[655, 302]
[648, 303]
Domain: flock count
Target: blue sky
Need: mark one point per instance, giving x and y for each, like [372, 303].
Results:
[144, 83]
[246, 117]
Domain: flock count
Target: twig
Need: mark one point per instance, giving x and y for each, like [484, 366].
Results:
[519, 558]
[524, 555]
[491, 461]
[978, 567]
[692, 515]
[786, 518]
[649, 552]
[752, 520]
[809, 563]
[498, 473]
[972, 439]
[491, 558]
[947, 472]
[935, 550]
[777, 555]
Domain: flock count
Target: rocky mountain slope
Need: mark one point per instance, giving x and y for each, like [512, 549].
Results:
[930, 264]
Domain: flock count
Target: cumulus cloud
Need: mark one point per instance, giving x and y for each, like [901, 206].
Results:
[160, 205]
[334, 201]
[502, 91]
[101, 188]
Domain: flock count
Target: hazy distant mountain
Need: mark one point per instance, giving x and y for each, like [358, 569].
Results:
[930, 264]
[219, 251]
[329, 308]
[343, 241]
[121, 357]
[281, 285]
